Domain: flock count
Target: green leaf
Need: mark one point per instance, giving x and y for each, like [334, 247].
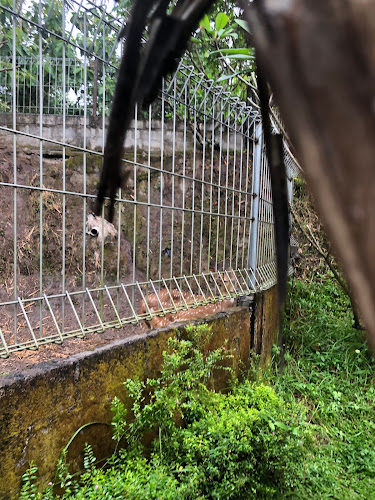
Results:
[281, 425]
[227, 77]
[243, 24]
[239, 56]
[221, 21]
[205, 23]
[244, 51]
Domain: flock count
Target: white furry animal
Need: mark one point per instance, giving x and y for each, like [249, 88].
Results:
[102, 231]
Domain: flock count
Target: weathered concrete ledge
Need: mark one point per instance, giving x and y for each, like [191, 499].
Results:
[42, 407]
[174, 139]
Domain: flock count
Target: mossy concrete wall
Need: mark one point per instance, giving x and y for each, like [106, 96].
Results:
[265, 324]
[42, 407]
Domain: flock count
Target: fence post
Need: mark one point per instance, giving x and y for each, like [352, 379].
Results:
[255, 190]
[95, 91]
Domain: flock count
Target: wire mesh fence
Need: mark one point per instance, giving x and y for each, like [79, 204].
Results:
[187, 231]
[38, 84]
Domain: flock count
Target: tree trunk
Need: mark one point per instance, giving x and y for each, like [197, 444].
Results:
[319, 58]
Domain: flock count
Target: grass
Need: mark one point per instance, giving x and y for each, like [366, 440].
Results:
[329, 369]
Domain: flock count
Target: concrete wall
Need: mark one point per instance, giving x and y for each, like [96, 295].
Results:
[265, 325]
[74, 132]
[42, 407]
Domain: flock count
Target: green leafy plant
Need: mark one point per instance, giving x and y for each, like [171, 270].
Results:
[239, 444]
[330, 370]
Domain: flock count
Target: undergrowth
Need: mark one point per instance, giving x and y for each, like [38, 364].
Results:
[329, 368]
[305, 433]
[245, 443]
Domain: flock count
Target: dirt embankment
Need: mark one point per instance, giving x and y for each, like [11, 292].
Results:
[172, 230]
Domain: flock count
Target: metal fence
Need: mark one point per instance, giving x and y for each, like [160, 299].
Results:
[195, 216]
[37, 83]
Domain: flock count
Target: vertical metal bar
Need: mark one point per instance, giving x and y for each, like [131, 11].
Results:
[41, 85]
[57, 108]
[63, 236]
[135, 197]
[193, 190]
[226, 188]
[75, 81]
[18, 89]
[49, 86]
[257, 162]
[161, 179]
[84, 166]
[221, 118]
[14, 115]
[239, 198]
[118, 263]
[246, 201]
[119, 225]
[148, 194]
[24, 87]
[262, 193]
[183, 182]
[233, 188]
[103, 89]
[95, 89]
[202, 184]
[31, 88]
[173, 177]
[211, 182]
[103, 145]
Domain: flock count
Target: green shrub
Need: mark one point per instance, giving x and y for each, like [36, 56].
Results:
[242, 444]
[248, 443]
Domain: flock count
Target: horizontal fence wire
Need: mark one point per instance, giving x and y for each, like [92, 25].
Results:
[183, 221]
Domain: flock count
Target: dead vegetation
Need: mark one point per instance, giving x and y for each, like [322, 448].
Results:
[196, 237]
[316, 253]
